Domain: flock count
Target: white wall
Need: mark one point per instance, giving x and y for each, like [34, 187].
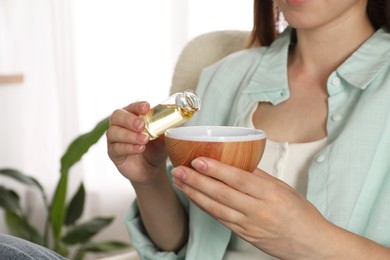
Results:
[126, 51]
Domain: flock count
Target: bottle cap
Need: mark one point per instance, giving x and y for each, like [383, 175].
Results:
[188, 100]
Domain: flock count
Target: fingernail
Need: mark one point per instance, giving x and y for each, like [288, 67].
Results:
[142, 138]
[139, 148]
[179, 174]
[142, 106]
[199, 164]
[178, 183]
[138, 123]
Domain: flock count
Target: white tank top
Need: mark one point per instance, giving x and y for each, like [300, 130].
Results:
[290, 163]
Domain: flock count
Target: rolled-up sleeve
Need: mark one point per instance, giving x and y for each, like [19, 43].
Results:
[142, 243]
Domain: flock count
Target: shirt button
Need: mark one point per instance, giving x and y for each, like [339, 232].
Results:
[337, 117]
[320, 158]
[336, 81]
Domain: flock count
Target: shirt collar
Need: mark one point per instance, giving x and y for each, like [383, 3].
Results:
[276, 56]
[358, 70]
[364, 64]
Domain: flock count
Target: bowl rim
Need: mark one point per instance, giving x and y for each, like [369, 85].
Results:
[202, 133]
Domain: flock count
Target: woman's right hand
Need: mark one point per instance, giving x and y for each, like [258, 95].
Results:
[143, 162]
[136, 158]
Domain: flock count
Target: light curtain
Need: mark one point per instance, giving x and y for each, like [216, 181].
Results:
[39, 116]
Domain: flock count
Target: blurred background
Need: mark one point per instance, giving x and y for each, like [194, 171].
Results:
[67, 64]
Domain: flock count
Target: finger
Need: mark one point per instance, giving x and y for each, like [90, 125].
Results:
[117, 134]
[263, 174]
[252, 184]
[197, 189]
[195, 185]
[122, 142]
[125, 119]
[271, 180]
[138, 108]
[237, 228]
[116, 150]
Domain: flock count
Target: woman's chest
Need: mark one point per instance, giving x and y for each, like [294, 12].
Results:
[294, 121]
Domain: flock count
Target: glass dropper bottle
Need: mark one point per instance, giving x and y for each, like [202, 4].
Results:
[173, 112]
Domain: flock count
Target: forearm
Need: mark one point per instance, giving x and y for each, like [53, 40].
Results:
[347, 245]
[162, 214]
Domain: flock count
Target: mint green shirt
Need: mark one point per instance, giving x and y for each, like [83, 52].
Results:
[349, 180]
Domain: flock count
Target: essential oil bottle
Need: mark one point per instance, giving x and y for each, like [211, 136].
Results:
[174, 111]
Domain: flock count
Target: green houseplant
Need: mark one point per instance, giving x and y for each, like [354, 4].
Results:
[62, 229]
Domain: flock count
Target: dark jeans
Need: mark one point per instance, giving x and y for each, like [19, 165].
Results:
[16, 248]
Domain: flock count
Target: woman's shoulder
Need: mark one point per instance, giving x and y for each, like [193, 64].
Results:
[246, 57]
[230, 70]
[234, 67]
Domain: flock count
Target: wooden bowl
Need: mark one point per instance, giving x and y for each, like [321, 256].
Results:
[237, 146]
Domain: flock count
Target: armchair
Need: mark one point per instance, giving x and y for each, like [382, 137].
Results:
[203, 51]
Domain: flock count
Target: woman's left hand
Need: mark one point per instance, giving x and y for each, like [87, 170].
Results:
[258, 207]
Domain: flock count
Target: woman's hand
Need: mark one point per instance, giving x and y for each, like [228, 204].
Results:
[143, 162]
[129, 148]
[266, 212]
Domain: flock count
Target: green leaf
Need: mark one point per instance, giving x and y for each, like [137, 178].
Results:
[28, 180]
[104, 246]
[84, 232]
[19, 226]
[17, 175]
[9, 200]
[58, 209]
[82, 144]
[79, 255]
[61, 249]
[76, 206]
[72, 155]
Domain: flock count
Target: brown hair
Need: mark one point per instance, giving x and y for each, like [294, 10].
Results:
[264, 30]
[378, 12]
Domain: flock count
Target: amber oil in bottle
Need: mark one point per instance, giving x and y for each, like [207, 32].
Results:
[174, 111]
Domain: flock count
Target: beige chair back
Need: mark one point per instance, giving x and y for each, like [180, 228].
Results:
[203, 51]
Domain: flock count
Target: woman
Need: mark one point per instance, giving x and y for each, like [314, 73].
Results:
[320, 90]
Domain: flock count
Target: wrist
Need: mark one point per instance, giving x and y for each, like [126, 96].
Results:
[159, 182]
[345, 245]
